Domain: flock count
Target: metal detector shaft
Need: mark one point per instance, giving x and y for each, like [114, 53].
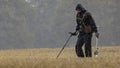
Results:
[96, 43]
[64, 46]
[96, 46]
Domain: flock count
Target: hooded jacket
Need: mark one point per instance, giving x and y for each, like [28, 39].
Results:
[88, 19]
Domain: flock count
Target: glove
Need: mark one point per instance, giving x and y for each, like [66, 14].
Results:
[97, 34]
[77, 27]
[73, 33]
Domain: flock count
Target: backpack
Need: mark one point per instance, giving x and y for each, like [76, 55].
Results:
[87, 28]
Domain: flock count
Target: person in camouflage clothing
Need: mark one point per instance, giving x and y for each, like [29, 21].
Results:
[85, 28]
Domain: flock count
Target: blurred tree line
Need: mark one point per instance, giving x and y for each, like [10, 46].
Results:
[14, 29]
[46, 23]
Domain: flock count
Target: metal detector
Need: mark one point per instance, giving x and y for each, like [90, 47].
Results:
[64, 46]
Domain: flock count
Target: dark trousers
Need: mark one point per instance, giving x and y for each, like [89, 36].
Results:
[84, 39]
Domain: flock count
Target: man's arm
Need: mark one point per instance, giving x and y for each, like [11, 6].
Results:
[93, 25]
[77, 27]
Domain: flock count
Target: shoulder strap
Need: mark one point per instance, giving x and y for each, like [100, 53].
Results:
[83, 18]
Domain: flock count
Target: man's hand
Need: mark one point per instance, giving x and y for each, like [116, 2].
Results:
[97, 34]
[73, 33]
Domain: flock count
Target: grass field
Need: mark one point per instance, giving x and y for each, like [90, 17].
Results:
[109, 57]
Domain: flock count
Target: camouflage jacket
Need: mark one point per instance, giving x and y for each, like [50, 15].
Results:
[87, 20]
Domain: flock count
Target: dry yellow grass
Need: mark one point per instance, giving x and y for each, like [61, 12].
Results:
[109, 57]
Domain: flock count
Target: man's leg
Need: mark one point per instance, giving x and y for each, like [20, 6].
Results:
[88, 48]
[78, 47]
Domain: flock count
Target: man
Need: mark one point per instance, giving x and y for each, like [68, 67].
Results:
[85, 27]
